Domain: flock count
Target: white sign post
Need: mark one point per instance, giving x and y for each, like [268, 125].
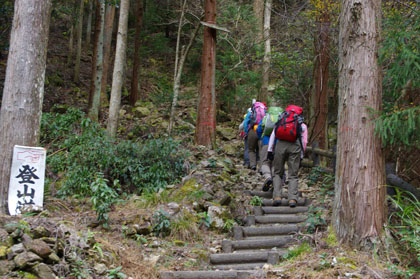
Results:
[26, 187]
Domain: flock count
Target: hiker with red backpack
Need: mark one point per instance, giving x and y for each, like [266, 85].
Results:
[251, 122]
[287, 143]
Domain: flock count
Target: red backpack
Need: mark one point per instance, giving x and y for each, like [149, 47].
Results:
[288, 126]
[257, 113]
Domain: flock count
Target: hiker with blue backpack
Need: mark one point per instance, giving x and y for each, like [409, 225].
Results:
[287, 144]
[251, 122]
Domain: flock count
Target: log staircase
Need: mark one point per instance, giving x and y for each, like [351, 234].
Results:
[263, 240]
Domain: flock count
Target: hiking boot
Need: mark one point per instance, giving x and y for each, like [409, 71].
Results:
[253, 168]
[267, 184]
[277, 202]
[292, 203]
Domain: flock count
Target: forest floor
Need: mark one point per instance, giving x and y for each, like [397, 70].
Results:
[219, 172]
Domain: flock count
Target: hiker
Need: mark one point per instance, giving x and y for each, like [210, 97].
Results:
[264, 131]
[245, 139]
[251, 122]
[288, 139]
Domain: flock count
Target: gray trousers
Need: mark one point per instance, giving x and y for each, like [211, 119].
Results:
[286, 152]
[252, 147]
[266, 164]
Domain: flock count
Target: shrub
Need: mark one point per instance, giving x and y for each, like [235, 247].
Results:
[84, 150]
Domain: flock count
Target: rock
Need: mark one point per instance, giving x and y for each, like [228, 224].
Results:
[11, 227]
[43, 271]
[100, 268]
[14, 250]
[26, 238]
[6, 267]
[225, 199]
[3, 252]
[39, 247]
[142, 111]
[226, 132]
[143, 230]
[174, 208]
[26, 275]
[40, 232]
[53, 258]
[214, 212]
[153, 259]
[230, 149]
[4, 237]
[26, 258]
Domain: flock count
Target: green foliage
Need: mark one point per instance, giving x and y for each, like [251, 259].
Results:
[84, 150]
[315, 219]
[256, 201]
[405, 222]
[116, 273]
[228, 225]
[296, 251]
[162, 223]
[400, 52]
[399, 127]
[205, 219]
[103, 197]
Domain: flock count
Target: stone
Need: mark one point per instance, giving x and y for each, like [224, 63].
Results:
[43, 271]
[6, 267]
[26, 258]
[230, 149]
[226, 132]
[142, 111]
[11, 227]
[4, 237]
[3, 252]
[53, 258]
[214, 212]
[15, 249]
[143, 230]
[39, 247]
[100, 268]
[40, 232]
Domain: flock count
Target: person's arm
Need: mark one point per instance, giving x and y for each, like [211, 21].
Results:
[271, 141]
[304, 136]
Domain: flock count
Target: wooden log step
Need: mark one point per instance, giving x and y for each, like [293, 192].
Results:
[245, 266]
[283, 209]
[285, 202]
[279, 241]
[249, 257]
[280, 218]
[270, 230]
[244, 274]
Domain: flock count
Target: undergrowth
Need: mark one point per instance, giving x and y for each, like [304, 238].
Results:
[81, 153]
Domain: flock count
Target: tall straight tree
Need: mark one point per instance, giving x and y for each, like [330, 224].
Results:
[89, 24]
[205, 130]
[117, 78]
[135, 88]
[97, 63]
[108, 27]
[319, 96]
[79, 32]
[267, 53]
[24, 84]
[359, 211]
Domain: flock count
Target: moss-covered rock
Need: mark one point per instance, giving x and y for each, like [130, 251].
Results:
[186, 191]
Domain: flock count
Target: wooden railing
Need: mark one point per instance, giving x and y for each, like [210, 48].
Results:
[314, 160]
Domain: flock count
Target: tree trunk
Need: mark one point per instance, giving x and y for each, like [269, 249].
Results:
[89, 25]
[117, 79]
[319, 98]
[135, 85]
[24, 86]
[79, 32]
[71, 36]
[177, 80]
[263, 96]
[359, 205]
[109, 24]
[205, 131]
[93, 112]
[95, 50]
[259, 15]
